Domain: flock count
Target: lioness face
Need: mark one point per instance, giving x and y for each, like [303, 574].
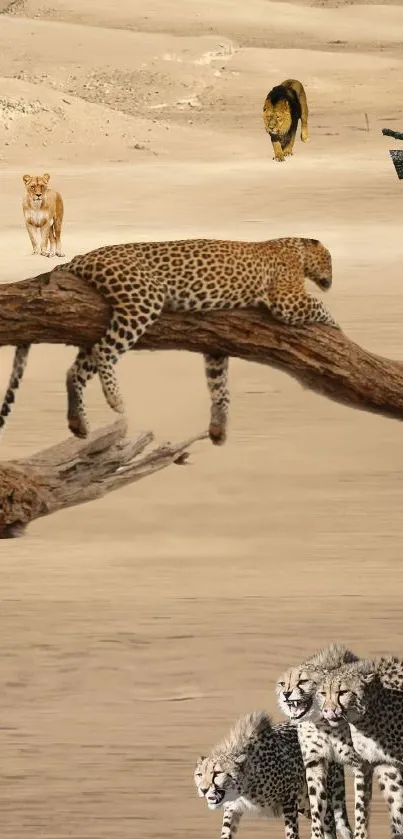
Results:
[36, 186]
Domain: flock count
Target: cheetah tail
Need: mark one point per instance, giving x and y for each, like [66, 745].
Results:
[19, 363]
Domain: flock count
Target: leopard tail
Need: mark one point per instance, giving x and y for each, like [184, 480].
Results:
[19, 363]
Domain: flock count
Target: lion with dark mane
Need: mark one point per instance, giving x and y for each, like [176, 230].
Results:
[284, 105]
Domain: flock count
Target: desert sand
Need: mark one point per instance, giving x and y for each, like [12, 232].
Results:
[134, 630]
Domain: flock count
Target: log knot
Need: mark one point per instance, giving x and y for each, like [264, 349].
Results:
[22, 498]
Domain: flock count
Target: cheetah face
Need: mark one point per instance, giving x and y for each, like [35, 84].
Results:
[214, 783]
[345, 698]
[36, 186]
[296, 693]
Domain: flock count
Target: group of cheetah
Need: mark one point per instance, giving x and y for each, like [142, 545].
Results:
[342, 711]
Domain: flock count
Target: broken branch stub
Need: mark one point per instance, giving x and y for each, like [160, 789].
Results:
[72, 473]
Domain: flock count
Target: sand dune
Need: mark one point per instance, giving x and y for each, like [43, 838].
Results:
[136, 629]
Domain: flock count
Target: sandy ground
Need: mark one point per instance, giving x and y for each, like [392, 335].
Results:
[135, 629]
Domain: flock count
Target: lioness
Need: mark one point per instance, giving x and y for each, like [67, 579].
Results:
[43, 213]
[284, 106]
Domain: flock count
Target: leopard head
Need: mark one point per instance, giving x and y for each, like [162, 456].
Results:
[317, 263]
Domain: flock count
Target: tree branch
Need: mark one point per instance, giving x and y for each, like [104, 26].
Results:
[389, 133]
[58, 308]
[73, 473]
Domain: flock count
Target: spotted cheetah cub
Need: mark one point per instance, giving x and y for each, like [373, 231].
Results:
[368, 695]
[141, 280]
[324, 754]
[257, 769]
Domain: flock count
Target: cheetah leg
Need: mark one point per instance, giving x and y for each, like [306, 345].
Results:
[303, 803]
[290, 811]
[329, 824]
[295, 307]
[230, 822]
[363, 796]
[278, 151]
[126, 327]
[337, 810]
[216, 368]
[391, 785]
[316, 778]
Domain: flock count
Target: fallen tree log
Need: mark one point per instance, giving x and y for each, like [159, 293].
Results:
[71, 473]
[57, 307]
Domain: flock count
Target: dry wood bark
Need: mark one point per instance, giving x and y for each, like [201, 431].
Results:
[58, 308]
[71, 473]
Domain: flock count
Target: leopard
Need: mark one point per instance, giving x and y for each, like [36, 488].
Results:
[284, 105]
[322, 749]
[142, 280]
[257, 769]
[368, 696]
[43, 213]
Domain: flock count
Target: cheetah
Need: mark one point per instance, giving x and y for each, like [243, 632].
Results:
[368, 696]
[257, 769]
[321, 747]
[141, 280]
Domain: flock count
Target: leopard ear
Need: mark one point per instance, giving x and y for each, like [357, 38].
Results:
[27, 179]
[46, 178]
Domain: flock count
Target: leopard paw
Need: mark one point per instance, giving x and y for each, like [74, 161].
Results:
[217, 434]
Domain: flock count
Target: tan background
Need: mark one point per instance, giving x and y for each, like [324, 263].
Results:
[134, 630]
